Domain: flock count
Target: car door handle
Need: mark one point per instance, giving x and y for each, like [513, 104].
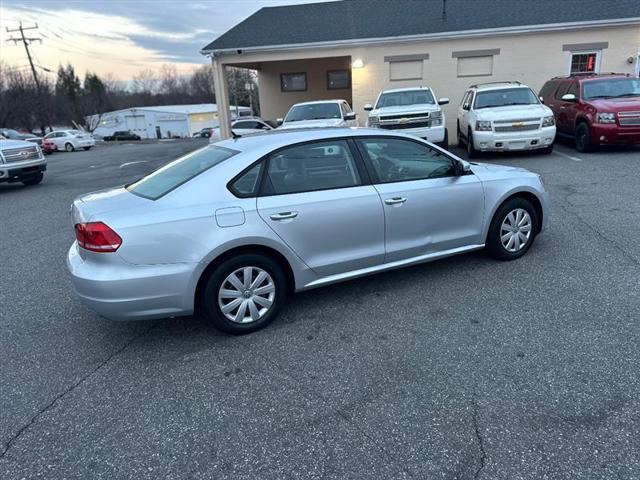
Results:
[283, 216]
[562, 108]
[395, 200]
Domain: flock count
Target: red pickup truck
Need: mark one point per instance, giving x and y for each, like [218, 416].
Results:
[595, 109]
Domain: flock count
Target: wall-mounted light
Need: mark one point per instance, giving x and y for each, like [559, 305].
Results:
[357, 63]
[630, 60]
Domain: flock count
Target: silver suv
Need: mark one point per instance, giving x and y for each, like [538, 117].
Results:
[227, 231]
[21, 161]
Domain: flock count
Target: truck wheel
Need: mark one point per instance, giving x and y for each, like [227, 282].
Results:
[68, 147]
[445, 142]
[87, 148]
[583, 138]
[459, 133]
[36, 179]
[471, 149]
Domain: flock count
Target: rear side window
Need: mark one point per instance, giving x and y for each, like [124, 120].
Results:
[174, 174]
[310, 167]
[548, 89]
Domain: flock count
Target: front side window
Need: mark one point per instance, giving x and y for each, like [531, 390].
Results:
[174, 174]
[313, 111]
[611, 88]
[405, 98]
[586, 62]
[311, 167]
[293, 82]
[396, 160]
[504, 97]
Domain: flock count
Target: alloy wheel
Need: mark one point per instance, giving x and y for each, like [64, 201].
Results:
[515, 231]
[246, 295]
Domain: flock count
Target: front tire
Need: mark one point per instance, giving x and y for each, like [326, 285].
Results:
[513, 229]
[547, 150]
[35, 180]
[445, 142]
[86, 148]
[244, 293]
[583, 138]
[69, 147]
[471, 149]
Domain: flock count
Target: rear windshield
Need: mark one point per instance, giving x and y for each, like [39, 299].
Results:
[505, 97]
[409, 97]
[313, 111]
[174, 174]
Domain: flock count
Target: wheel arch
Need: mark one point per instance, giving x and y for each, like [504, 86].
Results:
[528, 195]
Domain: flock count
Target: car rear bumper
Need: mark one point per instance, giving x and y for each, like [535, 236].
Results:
[118, 290]
[14, 173]
[612, 134]
[513, 141]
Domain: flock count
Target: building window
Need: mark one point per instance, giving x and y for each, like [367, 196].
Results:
[475, 66]
[585, 62]
[338, 79]
[293, 82]
[406, 70]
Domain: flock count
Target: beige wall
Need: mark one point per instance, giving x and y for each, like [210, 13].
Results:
[529, 58]
[275, 103]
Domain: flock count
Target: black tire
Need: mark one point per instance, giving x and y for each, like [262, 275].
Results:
[69, 147]
[494, 245]
[471, 150]
[86, 148]
[547, 150]
[583, 138]
[36, 179]
[445, 142]
[209, 301]
[461, 143]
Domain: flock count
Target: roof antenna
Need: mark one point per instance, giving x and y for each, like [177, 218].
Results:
[444, 9]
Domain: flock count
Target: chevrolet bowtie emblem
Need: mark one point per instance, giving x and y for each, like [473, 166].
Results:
[403, 120]
[517, 124]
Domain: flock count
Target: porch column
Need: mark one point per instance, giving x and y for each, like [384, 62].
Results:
[221, 89]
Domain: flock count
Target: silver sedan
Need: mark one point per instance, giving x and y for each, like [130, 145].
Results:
[229, 230]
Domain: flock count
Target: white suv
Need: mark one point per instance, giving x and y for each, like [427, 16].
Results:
[410, 110]
[321, 113]
[504, 116]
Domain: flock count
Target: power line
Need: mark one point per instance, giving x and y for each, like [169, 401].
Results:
[26, 41]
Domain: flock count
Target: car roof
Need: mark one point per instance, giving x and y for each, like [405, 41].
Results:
[338, 100]
[277, 138]
[497, 86]
[406, 89]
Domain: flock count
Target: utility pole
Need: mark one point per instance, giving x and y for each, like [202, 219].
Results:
[26, 41]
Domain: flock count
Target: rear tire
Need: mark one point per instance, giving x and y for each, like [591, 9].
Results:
[35, 180]
[471, 149]
[513, 229]
[237, 305]
[69, 147]
[583, 138]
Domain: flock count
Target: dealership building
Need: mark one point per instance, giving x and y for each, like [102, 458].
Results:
[354, 49]
[167, 121]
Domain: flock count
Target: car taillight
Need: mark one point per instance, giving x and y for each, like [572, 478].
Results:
[97, 237]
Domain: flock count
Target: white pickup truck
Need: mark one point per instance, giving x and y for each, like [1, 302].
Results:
[21, 161]
[411, 110]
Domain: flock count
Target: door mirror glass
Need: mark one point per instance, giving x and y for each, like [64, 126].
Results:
[569, 97]
[443, 101]
[368, 107]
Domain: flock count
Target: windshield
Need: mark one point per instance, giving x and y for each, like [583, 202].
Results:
[174, 174]
[505, 97]
[313, 111]
[611, 88]
[410, 97]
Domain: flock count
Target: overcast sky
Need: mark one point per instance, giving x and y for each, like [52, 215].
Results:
[121, 37]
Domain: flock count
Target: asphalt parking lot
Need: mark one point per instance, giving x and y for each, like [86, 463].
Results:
[464, 368]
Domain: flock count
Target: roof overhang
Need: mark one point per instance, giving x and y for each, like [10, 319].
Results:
[549, 27]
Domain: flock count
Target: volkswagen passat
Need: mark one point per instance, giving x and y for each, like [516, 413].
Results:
[227, 231]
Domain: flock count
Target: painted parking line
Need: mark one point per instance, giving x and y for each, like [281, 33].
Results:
[133, 163]
[575, 159]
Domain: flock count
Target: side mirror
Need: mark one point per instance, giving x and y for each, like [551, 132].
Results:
[462, 168]
[350, 116]
[443, 101]
[541, 99]
[279, 121]
[569, 97]
[466, 106]
[368, 107]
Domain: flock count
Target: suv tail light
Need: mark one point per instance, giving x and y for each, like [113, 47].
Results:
[97, 237]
